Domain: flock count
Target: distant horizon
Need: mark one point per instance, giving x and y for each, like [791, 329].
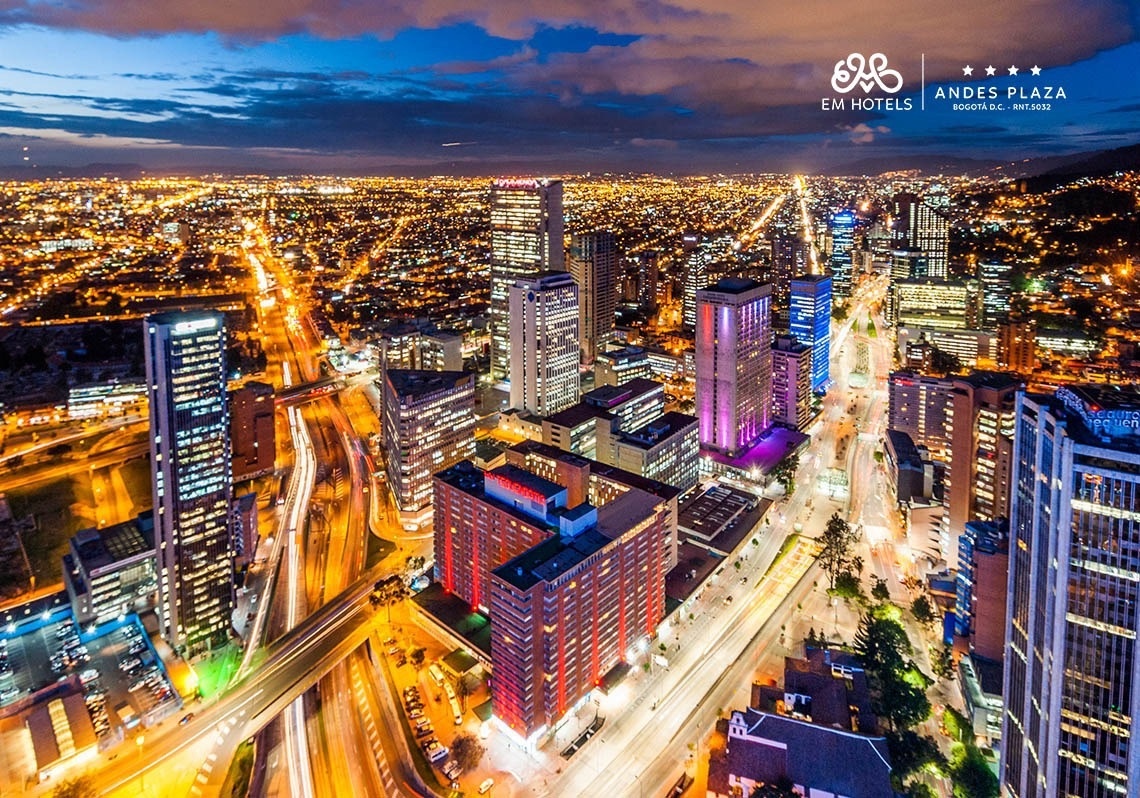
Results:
[692, 86]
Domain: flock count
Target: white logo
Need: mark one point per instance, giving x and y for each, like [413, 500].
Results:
[865, 73]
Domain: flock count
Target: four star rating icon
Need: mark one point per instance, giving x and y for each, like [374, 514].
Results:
[991, 70]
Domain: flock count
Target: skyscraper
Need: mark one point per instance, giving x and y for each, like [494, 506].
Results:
[253, 435]
[791, 382]
[544, 343]
[593, 265]
[996, 293]
[810, 323]
[734, 364]
[842, 244]
[697, 260]
[789, 257]
[1071, 661]
[429, 425]
[191, 469]
[923, 222]
[526, 238]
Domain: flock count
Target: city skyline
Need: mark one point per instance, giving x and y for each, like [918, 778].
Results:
[456, 88]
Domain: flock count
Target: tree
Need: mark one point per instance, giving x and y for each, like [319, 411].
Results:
[881, 644]
[78, 787]
[466, 750]
[837, 540]
[466, 686]
[942, 661]
[417, 656]
[880, 591]
[785, 473]
[910, 752]
[857, 565]
[847, 586]
[388, 592]
[923, 612]
[901, 698]
[971, 774]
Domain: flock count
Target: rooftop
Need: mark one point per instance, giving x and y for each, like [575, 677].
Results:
[526, 479]
[555, 556]
[417, 382]
[609, 395]
[577, 414]
[734, 285]
[659, 429]
[102, 548]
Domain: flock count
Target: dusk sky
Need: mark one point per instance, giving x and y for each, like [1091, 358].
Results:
[449, 86]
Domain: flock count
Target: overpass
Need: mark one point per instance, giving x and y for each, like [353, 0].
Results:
[293, 663]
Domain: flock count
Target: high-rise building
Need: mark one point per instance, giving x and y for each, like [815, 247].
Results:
[419, 344]
[842, 251]
[526, 238]
[1017, 346]
[565, 612]
[791, 382]
[544, 343]
[921, 407]
[734, 364]
[980, 427]
[191, 477]
[648, 267]
[983, 576]
[1071, 659]
[429, 426]
[591, 543]
[697, 264]
[996, 293]
[593, 265]
[253, 435]
[924, 223]
[810, 323]
[789, 258]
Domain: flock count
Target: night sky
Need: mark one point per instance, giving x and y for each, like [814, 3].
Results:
[450, 86]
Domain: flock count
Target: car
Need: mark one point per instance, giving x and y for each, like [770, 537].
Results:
[186, 719]
[728, 599]
[390, 641]
[486, 786]
[416, 714]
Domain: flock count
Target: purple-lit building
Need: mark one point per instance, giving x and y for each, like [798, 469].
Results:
[734, 364]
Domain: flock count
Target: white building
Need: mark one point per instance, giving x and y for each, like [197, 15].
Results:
[544, 343]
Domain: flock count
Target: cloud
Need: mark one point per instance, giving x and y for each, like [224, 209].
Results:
[863, 133]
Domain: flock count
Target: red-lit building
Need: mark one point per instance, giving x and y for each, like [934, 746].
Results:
[565, 612]
[483, 519]
[568, 557]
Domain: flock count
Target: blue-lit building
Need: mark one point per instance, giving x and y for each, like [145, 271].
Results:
[842, 242]
[978, 540]
[810, 323]
[191, 477]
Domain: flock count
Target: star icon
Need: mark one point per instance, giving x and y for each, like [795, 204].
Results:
[990, 71]
[967, 70]
[1036, 70]
[1013, 70]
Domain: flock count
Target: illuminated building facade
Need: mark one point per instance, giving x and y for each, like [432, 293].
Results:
[526, 239]
[192, 485]
[429, 426]
[791, 383]
[569, 610]
[1071, 661]
[594, 265]
[842, 245]
[544, 343]
[934, 304]
[997, 293]
[734, 364]
[923, 222]
[810, 323]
